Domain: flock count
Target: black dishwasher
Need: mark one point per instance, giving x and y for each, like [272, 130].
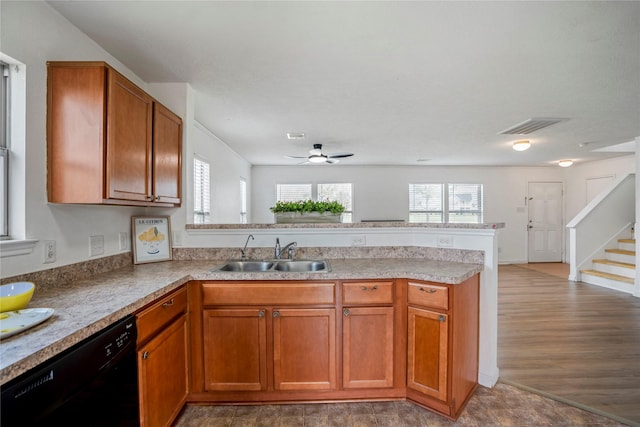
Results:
[93, 383]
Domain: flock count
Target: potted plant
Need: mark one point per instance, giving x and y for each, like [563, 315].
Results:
[307, 211]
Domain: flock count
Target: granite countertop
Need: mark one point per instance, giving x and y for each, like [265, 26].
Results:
[86, 306]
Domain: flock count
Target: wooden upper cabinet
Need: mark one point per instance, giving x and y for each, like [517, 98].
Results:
[108, 141]
[129, 137]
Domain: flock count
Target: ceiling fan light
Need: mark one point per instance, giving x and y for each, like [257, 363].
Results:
[521, 145]
[565, 163]
[316, 158]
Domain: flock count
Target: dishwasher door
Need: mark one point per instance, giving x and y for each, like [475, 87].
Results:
[94, 383]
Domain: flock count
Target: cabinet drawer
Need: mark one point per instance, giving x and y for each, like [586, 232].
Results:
[367, 293]
[154, 317]
[267, 293]
[428, 295]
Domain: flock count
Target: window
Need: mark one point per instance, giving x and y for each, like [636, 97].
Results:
[293, 192]
[426, 203]
[202, 193]
[465, 203]
[4, 151]
[460, 203]
[341, 192]
[243, 201]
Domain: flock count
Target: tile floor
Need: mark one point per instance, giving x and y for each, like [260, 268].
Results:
[503, 405]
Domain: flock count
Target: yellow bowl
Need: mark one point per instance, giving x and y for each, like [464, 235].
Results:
[15, 296]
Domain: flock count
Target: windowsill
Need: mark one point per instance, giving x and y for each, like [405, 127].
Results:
[16, 247]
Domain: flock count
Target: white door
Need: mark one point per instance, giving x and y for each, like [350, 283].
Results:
[545, 222]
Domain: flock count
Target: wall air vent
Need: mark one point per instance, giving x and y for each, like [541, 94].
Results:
[531, 125]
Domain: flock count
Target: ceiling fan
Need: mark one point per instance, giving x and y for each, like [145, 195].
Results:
[316, 156]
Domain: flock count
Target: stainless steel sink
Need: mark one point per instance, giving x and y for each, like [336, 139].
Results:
[247, 266]
[293, 266]
[302, 266]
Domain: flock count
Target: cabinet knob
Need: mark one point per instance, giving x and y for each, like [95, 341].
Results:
[261, 314]
[373, 288]
[150, 197]
[346, 312]
[442, 318]
[145, 355]
[157, 198]
[429, 291]
[276, 314]
[168, 303]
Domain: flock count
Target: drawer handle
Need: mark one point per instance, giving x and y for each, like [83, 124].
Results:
[429, 291]
[168, 303]
[373, 288]
[145, 355]
[346, 312]
[261, 314]
[276, 314]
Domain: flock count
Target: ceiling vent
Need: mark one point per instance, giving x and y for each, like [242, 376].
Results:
[531, 125]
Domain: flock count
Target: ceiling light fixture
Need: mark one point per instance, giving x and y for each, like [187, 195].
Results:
[317, 158]
[521, 145]
[295, 135]
[565, 163]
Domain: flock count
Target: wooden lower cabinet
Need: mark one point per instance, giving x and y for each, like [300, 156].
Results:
[442, 344]
[270, 341]
[304, 349]
[235, 349]
[163, 360]
[367, 347]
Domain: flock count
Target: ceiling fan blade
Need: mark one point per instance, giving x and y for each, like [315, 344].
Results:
[331, 161]
[296, 157]
[339, 155]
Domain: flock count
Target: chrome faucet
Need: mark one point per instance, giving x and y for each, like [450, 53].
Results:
[289, 248]
[242, 251]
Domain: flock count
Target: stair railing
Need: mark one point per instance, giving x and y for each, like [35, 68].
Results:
[605, 218]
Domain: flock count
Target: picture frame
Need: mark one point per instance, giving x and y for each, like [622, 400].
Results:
[151, 239]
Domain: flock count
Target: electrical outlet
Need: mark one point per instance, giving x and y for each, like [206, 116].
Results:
[123, 238]
[358, 240]
[49, 251]
[96, 245]
[445, 241]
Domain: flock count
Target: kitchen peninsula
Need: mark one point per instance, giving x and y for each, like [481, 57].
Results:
[86, 306]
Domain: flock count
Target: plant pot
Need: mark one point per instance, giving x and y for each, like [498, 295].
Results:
[306, 217]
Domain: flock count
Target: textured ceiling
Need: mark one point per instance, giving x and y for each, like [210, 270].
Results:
[391, 82]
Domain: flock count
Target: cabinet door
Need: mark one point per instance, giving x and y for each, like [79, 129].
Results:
[367, 347]
[427, 349]
[128, 141]
[167, 152]
[162, 375]
[304, 349]
[235, 349]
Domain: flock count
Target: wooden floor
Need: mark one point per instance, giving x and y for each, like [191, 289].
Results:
[574, 341]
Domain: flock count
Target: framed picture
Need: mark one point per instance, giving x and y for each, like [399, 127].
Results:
[151, 239]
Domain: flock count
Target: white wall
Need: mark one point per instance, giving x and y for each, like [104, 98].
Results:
[381, 192]
[33, 33]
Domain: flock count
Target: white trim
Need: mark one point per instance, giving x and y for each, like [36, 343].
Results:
[16, 247]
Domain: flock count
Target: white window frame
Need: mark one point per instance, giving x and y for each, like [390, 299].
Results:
[243, 201]
[201, 190]
[451, 214]
[313, 193]
[5, 119]
[17, 243]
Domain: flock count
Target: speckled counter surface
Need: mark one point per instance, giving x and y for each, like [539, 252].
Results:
[84, 307]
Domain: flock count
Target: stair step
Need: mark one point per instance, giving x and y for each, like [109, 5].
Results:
[609, 276]
[621, 255]
[615, 263]
[627, 244]
[615, 267]
[633, 241]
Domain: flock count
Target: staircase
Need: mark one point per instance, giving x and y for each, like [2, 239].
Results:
[617, 271]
